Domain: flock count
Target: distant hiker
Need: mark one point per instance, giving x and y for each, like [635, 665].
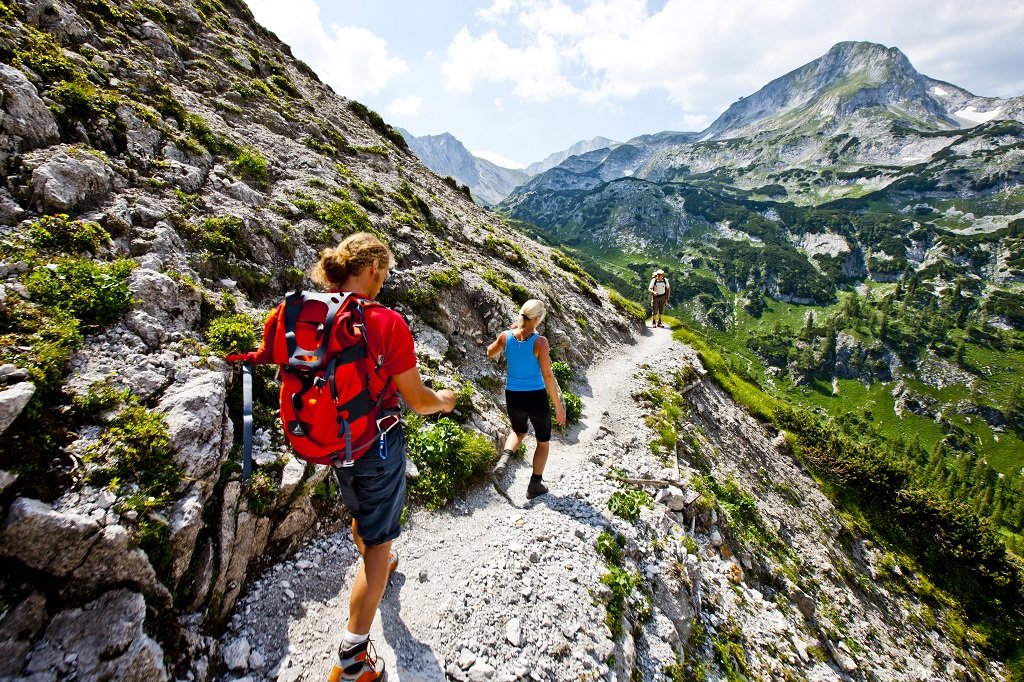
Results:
[660, 291]
[370, 468]
[528, 386]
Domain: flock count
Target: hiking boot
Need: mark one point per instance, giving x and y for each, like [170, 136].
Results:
[536, 488]
[358, 664]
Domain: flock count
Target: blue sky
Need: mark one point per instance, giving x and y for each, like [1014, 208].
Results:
[516, 80]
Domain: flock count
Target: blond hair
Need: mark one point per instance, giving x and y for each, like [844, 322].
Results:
[354, 254]
[532, 310]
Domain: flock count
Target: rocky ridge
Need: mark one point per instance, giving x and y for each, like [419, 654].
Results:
[178, 154]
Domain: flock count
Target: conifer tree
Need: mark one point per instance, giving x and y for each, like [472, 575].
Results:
[1014, 410]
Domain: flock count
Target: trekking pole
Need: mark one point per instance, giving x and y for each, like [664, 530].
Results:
[246, 421]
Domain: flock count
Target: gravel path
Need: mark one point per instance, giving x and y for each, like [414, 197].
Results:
[486, 589]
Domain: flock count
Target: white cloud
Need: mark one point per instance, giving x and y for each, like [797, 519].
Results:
[703, 55]
[533, 72]
[497, 159]
[405, 106]
[353, 60]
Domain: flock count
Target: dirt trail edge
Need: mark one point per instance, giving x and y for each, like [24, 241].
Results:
[485, 590]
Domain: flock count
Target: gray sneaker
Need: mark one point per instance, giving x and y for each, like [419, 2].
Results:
[535, 489]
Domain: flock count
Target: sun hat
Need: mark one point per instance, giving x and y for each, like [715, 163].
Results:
[659, 272]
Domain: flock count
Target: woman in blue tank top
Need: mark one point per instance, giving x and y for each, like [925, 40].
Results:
[529, 383]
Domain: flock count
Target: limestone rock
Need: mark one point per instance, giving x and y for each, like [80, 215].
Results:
[194, 412]
[102, 640]
[13, 400]
[236, 655]
[25, 116]
[186, 522]
[19, 626]
[76, 548]
[70, 180]
[298, 521]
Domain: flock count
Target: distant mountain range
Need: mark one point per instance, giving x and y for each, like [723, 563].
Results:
[488, 182]
[581, 147]
[858, 124]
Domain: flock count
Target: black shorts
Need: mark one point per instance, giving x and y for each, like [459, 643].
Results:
[532, 406]
[373, 489]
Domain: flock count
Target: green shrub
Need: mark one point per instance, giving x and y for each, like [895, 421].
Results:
[445, 278]
[569, 265]
[200, 130]
[378, 124]
[562, 372]
[60, 233]
[448, 458]
[503, 248]
[632, 309]
[252, 165]
[516, 292]
[83, 100]
[261, 492]
[222, 235]
[573, 407]
[609, 545]
[236, 333]
[43, 55]
[100, 397]
[343, 217]
[627, 504]
[621, 583]
[421, 298]
[94, 293]
[285, 85]
[133, 456]
[40, 341]
[292, 279]
[464, 403]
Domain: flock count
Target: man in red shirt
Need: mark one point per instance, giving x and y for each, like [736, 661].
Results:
[373, 488]
[361, 263]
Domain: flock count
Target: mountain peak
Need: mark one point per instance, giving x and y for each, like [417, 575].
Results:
[852, 75]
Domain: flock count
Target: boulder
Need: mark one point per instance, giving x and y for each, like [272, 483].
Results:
[24, 115]
[7, 479]
[76, 548]
[142, 140]
[13, 400]
[172, 306]
[102, 640]
[195, 411]
[19, 626]
[69, 181]
[186, 522]
[300, 518]
[10, 211]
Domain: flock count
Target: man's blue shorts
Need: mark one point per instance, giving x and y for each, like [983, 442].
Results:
[373, 489]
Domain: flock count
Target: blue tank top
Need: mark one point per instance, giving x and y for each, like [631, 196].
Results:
[523, 366]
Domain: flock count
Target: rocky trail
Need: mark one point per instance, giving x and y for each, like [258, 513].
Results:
[485, 589]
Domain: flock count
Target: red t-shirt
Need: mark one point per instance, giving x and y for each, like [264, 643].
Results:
[387, 336]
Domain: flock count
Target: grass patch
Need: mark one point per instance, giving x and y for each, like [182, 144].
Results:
[448, 457]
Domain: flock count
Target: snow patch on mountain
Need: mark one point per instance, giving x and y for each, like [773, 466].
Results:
[972, 114]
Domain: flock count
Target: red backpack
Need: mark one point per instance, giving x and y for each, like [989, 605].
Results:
[320, 342]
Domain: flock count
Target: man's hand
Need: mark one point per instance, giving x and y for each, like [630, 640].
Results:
[447, 397]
